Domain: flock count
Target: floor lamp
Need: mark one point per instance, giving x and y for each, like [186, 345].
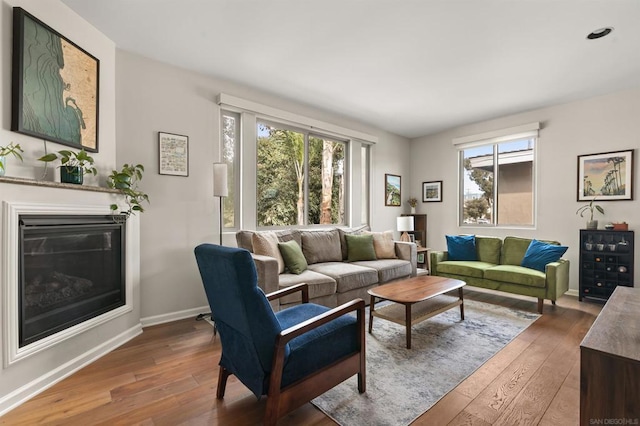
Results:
[220, 187]
[219, 190]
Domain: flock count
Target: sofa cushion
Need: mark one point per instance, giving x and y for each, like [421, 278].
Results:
[244, 238]
[266, 244]
[465, 268]
[539, 254]
[321, 246]
[516, 274]
[383, 244]
[348, 276]
[319, 285]
[293, 257]
[388, 269]
[514, 248]
[349, 231]
[488, 249]
[360, 247]
[461, 247]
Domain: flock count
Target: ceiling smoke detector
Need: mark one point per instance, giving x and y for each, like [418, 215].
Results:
[599, 33]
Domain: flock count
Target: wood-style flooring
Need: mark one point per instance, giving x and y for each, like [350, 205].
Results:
[168, 376]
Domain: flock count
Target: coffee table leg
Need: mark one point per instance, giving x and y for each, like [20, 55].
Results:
[408, 324]
[461, 304]
[372, 307]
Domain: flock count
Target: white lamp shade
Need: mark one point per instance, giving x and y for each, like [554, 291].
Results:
[220, 180]
[405, 223]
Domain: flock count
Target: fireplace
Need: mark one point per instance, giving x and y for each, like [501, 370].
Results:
[71, 269]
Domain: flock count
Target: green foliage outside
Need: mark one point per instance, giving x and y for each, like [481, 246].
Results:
[282, 180]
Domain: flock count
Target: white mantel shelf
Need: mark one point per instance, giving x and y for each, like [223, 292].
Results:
[33, 182]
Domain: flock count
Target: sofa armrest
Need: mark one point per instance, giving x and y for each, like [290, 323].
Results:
[436, 257]
[268, 276]
[557, 278]
[408, 251]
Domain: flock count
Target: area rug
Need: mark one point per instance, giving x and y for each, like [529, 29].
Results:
[404, 383]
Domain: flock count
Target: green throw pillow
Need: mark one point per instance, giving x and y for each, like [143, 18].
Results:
[293, 257]
[360, 247]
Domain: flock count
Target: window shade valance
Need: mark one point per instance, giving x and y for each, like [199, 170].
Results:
[496, 136]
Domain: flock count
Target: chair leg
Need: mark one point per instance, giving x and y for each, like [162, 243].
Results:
[223, 375]
[553, 302]
[271, 412]
[540, 304]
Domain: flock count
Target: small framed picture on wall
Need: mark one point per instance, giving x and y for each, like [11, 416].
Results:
[173, 154]
[432, 191]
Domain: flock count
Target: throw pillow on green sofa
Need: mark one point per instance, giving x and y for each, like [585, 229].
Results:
[360, 247]
[539, 254]
[293, 257]
[461, 247]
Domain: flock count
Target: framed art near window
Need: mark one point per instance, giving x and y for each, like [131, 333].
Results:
[55, 85]
[392, 190]
[607, 176]
[173, 154]
[432, 191]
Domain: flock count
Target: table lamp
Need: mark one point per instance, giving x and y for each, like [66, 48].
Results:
[405, 223]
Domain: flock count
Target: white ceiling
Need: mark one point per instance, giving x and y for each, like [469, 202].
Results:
[412, 67]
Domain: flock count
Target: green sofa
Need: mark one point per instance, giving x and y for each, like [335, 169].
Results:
[498, 268]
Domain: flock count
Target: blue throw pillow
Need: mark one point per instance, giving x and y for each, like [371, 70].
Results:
[461, 247]
[539, 254]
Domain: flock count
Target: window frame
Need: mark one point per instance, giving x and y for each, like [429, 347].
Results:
[495, 139]
[307, 135]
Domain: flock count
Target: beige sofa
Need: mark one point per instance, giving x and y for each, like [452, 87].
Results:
[331, 278]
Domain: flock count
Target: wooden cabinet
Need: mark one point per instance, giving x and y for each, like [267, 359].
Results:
[606, 262]
[610, 362]
[419, 229]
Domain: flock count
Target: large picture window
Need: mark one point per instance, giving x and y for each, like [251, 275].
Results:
[300, 177]
[498, 182]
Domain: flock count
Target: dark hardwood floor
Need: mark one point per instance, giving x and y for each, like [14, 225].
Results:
[168, 376]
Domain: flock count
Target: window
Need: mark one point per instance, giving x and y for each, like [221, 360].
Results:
[498, 181]
[300, 177]
[365, 156]
[230, 124]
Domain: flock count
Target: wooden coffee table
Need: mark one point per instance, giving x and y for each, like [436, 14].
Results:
[422, 297]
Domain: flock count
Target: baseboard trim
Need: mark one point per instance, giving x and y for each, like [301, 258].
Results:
[42, 383]
[174, 316]
[572, 292]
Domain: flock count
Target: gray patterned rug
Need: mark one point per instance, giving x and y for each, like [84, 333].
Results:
[404, 383]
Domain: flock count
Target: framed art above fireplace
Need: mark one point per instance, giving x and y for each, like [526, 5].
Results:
[55, 85]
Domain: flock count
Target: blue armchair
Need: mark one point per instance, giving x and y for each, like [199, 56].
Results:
[292, 356]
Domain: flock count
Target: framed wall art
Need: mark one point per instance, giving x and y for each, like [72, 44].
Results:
[392, 190]
[432, 191]
[173, 154]
[55, 85]
[607, 176]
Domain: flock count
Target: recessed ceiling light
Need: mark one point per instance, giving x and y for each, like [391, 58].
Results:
[599, 33]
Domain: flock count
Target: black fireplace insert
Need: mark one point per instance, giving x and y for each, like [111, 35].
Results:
[72, 269]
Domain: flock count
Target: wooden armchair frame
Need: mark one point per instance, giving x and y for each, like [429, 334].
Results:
[282, 400]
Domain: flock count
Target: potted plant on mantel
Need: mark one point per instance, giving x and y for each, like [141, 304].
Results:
[11, 149]
[126, 181]
[591, 223]
[74, 165]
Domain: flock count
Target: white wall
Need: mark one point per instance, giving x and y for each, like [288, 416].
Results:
[601, 124]
[153, 97]
[28, 376]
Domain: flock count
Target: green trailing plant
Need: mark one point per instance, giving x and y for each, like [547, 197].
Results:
[11, 149]
[590, 208]
[126, 181]
[81, 161]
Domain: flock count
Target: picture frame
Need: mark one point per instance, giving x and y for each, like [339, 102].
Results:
[55, 84]
[432, 191]
[392, 190]
[608, 176]
[173, 154]
[420, 258]
[412, 238]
